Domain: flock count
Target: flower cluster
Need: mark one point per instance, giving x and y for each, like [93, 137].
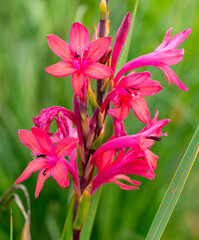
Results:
[80, 136]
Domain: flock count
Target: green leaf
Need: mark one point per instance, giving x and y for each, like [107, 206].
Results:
[124, 54]
[11, 225]
[87, 228]
[67, 231]
[172, 195]
[82, 210]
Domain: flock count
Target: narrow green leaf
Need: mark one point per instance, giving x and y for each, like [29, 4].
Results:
[11, 225]
[82, 211]
[172, 195]
[124, 54]
[67, 231]
[88, 225]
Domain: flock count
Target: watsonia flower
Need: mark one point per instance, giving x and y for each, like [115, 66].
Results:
[49, 158]
[79, 57]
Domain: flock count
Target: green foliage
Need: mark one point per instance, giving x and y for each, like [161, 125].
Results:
[175, 188]
[67, 231]
[26, 88]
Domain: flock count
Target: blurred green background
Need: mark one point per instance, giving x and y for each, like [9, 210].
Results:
[25, 89]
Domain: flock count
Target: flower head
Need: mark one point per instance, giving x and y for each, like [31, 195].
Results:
[79, 57]
[49, 158]
[164, 55]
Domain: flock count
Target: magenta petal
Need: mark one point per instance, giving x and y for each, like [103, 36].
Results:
[33, 166]
[65, 146]
[170, 56]
[40, 181]
[98, 48]
[79, 38]
[177, 39]
[120, 39]
[141, 110]
[77, 82]
[59, 47]
[60, 173]
[29, 140]
[61, 69]
[171, 76]
[97, 70]
[43, 140]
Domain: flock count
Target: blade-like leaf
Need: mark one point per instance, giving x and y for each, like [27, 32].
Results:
[67, 231]
[88, 225]
[124, 54]
[172, 195]
[11, 225]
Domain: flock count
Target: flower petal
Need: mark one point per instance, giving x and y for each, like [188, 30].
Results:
[43, 140]
[170, 56]
[65, 146]
[79, 38]
[140, 109]
[33, 166]
[171, 76]
[59, 47]
[122, 111]
[151, 159]
[29, 140]
[97, 70]
[77, 82]
[61, 69]
[177, 39]
[98, 48]
[40, 181]
[60, 173]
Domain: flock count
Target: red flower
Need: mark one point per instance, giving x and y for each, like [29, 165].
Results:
[79, 57]
[49, 158]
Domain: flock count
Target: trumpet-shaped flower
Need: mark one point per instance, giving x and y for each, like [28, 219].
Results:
[164, 55]
[49, 158]
[138, 160]
[112, 170]
[79, 57]
[129, 93]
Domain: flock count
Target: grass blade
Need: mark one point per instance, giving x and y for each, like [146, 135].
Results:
[67, 231]
[172, 195]
[87, 228]
[124, 54]
[11, 225]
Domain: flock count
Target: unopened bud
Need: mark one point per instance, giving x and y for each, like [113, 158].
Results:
[103, 9]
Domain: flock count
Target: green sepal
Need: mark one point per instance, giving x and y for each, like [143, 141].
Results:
[79, 163]
[82, 210]
[92, 99]
[98, 141]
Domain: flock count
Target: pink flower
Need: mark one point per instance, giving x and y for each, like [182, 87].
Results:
[112, 170]
[138, 160]
[129, 93]
[151, 130]
[79, 57]
[49, 158]
[164, 55]
[63, 118]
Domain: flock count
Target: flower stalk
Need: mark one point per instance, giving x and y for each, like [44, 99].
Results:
[77, 147]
